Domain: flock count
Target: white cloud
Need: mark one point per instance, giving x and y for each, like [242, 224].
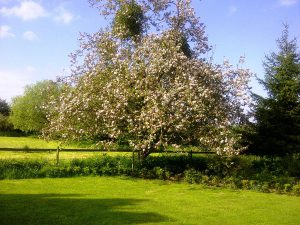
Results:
[30, 35]
[13, 81]
[31, 9]
[63, 16]
[5, 32]
[232, 9]
[27, 10]
[288, 2]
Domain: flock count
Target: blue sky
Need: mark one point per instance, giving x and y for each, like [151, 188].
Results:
[36, 36]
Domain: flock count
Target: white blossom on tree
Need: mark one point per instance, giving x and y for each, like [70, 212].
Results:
[153, 87]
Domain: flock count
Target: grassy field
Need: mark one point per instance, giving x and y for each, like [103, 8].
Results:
[102, 200]
[35, 142]
[51, 156]
[26, 142]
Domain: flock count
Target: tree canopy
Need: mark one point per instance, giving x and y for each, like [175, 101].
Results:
[5, 125]
[28, 112]
[150, 83]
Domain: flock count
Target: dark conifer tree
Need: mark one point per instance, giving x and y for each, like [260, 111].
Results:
[277, 128]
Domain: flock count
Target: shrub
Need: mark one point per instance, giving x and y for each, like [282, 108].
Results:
[18, 169]
[197, 170]
[246, 184]
[288, 187]
[265, 187]
[192, 176]
[296, 189]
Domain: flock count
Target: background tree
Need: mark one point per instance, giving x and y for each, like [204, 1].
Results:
[153, 89]
[28, 112]
[5, 125]
[4, 107]
[277, 128]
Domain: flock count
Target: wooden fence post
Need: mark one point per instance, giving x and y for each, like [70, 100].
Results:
[139, 156]
[132, 164]
[57, 155]
[191, 154]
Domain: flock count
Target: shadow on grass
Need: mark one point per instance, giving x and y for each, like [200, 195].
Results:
[56, 209]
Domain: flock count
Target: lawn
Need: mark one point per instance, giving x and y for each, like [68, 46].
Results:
[107, 200]
[39, 143]
[51, 156]
[26, 142]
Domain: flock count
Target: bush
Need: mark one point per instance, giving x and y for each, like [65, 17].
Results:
[251, 173]
[296, 189]
[16, 169]
[5, 124]
[192, 176]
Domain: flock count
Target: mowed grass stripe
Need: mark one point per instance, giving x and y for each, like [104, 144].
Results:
[36, 143]
[114, 200]
[51, 156]
[26, 142]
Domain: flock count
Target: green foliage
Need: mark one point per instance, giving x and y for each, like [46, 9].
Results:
[251, 173]
[27, 111]
[277, 128]
[296, 189]
[185, 47]
[192, 176]
[105, 165]
[21, 169]
[4, 107]
[5, 124]
[128, 21]
[12, 133]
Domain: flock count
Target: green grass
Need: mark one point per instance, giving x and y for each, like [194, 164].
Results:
[35, 142]
[51, 156]
[26, 142]
[104, 200]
